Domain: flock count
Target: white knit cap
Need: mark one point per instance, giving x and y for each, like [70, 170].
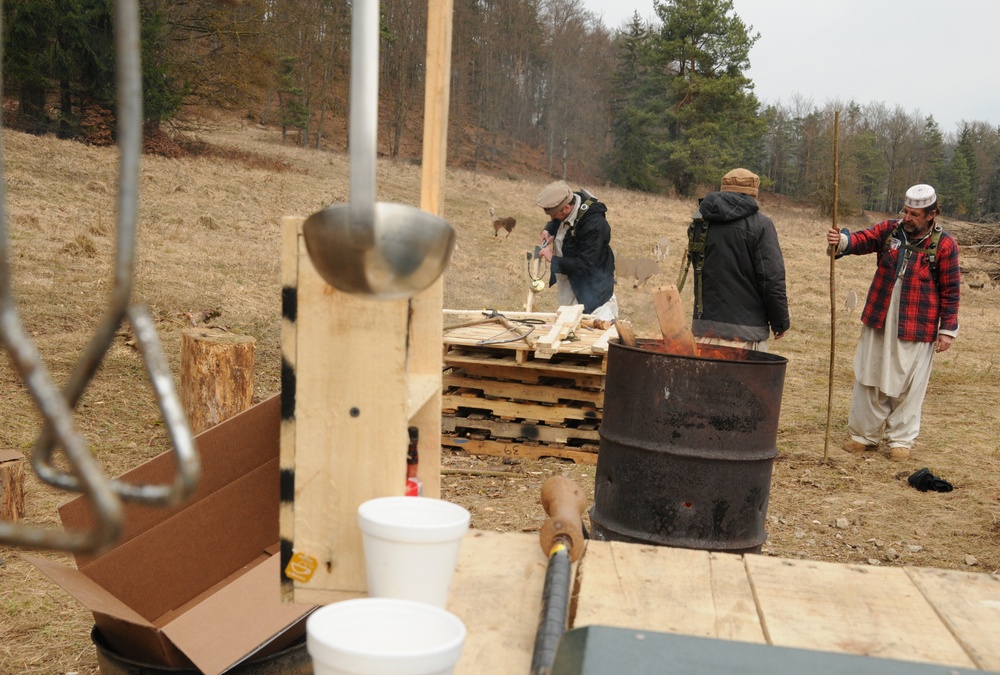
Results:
[920, 197]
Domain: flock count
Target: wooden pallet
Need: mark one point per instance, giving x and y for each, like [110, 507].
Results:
[585, 372]
[509, 399]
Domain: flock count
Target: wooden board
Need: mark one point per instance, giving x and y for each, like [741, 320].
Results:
[503, 366]
[499, 429]
[968, 604]
[665, 589]
[497, 592]
[584, 455]
[525, 392]
[821, 606]
[356, 373]
[520, 410]
[861, 609]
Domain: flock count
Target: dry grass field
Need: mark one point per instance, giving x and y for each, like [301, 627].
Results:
[209, 239]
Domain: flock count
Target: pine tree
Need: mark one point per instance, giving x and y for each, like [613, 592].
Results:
[628, 164]
[707, 109]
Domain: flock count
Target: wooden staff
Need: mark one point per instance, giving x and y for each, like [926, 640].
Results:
[833, 286]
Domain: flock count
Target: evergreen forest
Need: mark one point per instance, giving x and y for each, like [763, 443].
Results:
[662, 106]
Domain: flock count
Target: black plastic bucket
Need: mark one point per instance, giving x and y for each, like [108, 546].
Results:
[293, 660]
[687, 447]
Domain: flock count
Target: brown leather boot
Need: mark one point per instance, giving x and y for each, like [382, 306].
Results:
[855, 448]
[899, 453]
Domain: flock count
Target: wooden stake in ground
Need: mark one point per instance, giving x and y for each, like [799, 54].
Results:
[832, 252]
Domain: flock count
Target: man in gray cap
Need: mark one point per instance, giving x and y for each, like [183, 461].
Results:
[577, 244]
[911, 313]
[739, 280]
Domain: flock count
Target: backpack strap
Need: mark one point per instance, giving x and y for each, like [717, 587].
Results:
[695, 255]
[930, 251]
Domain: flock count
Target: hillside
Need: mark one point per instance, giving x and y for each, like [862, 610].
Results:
[209, 239]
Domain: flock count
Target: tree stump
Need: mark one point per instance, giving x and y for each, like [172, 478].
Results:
[11, 485]
[216, 376]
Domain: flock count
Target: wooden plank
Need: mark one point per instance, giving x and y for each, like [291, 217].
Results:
[527, 432]
[562, 369]
[969, 604]
[567, 321]
[601, 346]
[525, 392]
[858, 609]
[672, 590]
[350, 421]
[497, 592]
[519, 450]
[503, 408]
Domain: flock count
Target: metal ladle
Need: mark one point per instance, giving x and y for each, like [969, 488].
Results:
[388, 251]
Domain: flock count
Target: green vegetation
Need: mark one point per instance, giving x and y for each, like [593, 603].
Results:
[655, 106]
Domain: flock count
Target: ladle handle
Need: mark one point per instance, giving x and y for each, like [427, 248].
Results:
[364, 120]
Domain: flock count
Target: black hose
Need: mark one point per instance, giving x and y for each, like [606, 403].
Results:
[555, 607]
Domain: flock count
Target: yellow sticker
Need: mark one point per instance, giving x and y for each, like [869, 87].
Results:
[301, 567]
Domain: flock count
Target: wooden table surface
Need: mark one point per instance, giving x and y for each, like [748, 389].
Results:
[904, 613]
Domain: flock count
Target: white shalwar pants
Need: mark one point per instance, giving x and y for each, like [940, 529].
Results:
[891, 377]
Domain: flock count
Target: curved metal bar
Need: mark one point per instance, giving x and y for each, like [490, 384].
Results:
[55, 407]
[129, 87]
[92, 482]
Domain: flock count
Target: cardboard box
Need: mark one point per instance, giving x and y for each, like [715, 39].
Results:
[198, 584]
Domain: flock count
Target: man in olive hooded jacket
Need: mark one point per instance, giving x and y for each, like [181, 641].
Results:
[739, 285]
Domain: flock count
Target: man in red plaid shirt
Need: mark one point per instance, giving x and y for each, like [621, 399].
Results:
[911, 313]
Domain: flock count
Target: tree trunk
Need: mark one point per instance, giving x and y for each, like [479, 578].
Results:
[11, 486]
[216, 376]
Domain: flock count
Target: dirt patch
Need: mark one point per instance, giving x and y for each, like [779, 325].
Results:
[209, 239]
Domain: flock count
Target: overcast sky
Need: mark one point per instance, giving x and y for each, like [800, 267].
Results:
[935, 57]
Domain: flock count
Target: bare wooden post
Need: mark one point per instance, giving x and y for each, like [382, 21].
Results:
[11, 485]
[216, 376]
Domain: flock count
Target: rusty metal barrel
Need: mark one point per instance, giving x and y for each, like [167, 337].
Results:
[687, 447]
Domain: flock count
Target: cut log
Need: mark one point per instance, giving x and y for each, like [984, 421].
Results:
[216, 376]
[11, 486]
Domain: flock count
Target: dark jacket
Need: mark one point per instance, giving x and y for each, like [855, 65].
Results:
[743, 282]
[586, 257]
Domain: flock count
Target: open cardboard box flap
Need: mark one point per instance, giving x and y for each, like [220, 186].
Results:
[197, 584]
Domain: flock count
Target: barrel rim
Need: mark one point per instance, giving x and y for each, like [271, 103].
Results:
[754, 358]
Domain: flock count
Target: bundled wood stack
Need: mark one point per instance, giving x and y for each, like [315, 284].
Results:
[524, 385]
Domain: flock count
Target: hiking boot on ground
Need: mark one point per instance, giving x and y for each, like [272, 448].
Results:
[898, 453]
[855, 447]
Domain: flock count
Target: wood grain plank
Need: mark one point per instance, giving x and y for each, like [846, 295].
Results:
[350, 421]
[497, 592]
[666, 589]
[969, 604]
[525, 392]
[517, 431]
[867, 610]
[517, 410]
[519, 450]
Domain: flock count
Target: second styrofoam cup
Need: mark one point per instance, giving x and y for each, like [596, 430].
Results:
[381, 636]
[411, 546]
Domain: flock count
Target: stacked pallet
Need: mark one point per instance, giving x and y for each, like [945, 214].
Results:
[512, 390]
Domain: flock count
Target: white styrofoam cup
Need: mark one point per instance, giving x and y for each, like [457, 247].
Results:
[383, 636]
[411, 546]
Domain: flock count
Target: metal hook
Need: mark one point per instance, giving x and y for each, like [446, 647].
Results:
[56, 408]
